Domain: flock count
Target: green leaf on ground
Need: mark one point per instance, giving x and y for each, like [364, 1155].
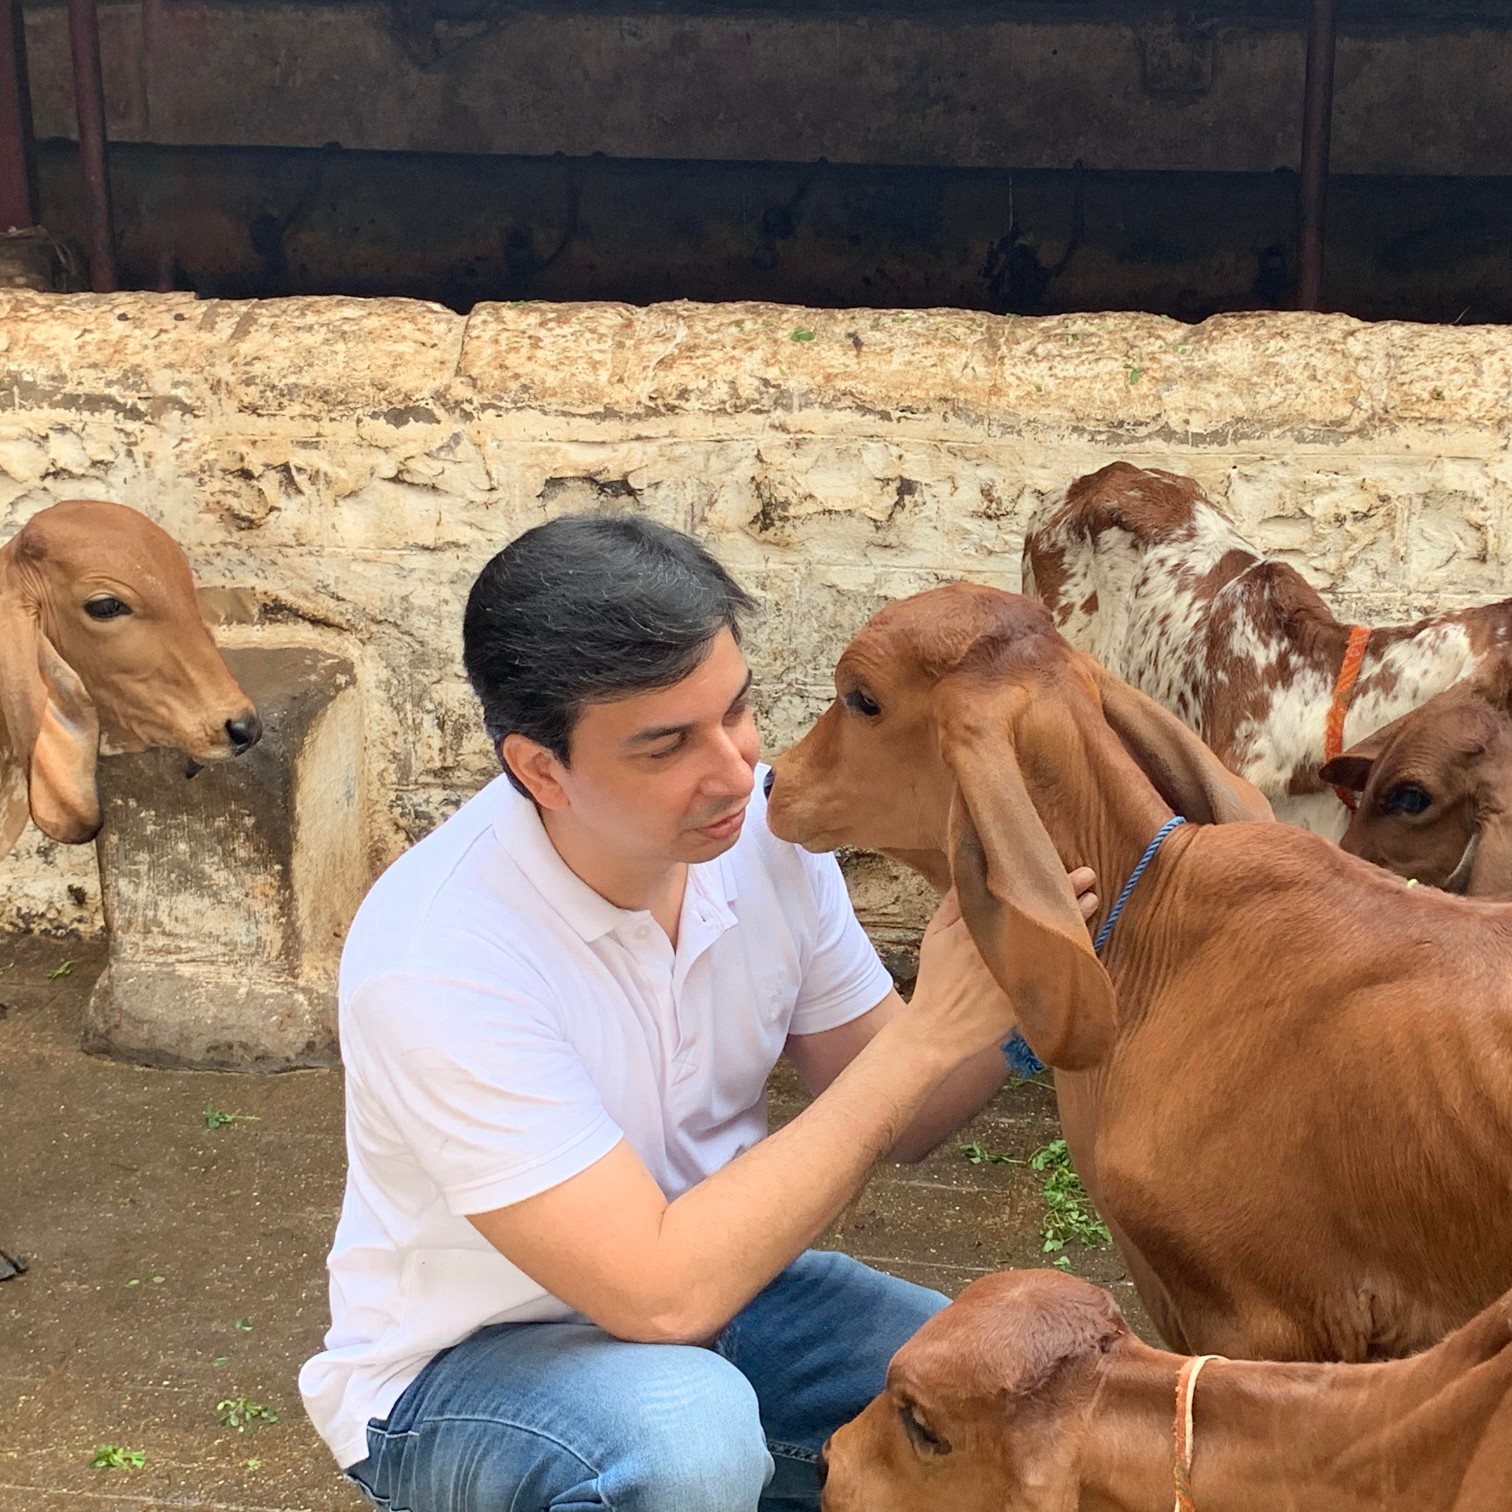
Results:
[113, 1457]
[215, 1118]
[243, 1414]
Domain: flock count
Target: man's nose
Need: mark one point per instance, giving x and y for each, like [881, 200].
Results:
[766, 787]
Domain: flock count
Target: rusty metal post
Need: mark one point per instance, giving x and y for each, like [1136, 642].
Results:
[1317, 120]
[18, 158]
[89, 102]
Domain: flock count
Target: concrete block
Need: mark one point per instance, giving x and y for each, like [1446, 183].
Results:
[227, 897]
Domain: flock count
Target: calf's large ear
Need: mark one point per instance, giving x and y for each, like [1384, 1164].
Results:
[1186, 774]
[1013, 890]
[52, 731]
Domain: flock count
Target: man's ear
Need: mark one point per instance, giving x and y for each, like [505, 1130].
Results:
[533, 765]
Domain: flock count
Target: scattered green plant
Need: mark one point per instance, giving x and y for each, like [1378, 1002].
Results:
[63, 970]
[113, 1457]
[243, 1414]
[978, 1156]
[243, 1325]
[215, 1118]
[1069, 1212]
[802, 334]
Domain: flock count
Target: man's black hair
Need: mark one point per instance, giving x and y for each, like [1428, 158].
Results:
[588, 608]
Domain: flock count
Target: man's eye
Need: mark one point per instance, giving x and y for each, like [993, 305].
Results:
[667, 751]
[106, 606]
[862, 704]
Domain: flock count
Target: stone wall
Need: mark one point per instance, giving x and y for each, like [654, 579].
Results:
[339, 469]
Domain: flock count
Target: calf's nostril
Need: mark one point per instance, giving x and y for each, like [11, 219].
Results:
[766, 786]
[244, 732]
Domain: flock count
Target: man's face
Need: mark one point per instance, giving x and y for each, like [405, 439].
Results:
[665, 776]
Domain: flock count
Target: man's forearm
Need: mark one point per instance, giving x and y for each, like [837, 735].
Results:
[965, 1091]
[732, 1233]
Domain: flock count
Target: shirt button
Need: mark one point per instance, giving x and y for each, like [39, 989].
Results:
[643, 933]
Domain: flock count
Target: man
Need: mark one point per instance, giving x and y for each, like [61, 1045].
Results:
[571, 1270]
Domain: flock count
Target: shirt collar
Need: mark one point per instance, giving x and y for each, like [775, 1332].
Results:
[517, 824]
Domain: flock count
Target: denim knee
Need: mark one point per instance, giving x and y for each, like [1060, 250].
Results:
[709, 1455]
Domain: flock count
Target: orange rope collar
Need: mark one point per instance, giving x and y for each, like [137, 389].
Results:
[1333, 731]
[1181, 1431]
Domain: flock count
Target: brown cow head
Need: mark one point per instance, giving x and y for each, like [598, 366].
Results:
[102, 644]
[1436, 794]
[986, 1408]
[946, 703]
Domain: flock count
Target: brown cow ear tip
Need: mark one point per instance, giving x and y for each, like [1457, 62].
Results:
[1347, 771]
[70, 831]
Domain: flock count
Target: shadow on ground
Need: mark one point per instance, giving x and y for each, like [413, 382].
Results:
[176, 1267]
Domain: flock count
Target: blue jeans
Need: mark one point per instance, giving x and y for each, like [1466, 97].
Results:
[524, 1417]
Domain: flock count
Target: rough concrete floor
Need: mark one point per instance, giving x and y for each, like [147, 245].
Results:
[175, 1266]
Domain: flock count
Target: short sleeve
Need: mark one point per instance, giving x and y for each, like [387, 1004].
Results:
[479, 1083]
[843, 976]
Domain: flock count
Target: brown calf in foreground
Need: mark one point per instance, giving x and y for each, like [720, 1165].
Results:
[1287, 1082]
[102, 647]
[1436, 795]
[1029, 1394]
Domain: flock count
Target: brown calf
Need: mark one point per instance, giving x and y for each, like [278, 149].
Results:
[1029, 1394]
[1142, 569]
[1436, 795]
[1287, 1081]
[102, 647]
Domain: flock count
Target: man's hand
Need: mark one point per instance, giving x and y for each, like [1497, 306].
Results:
[1082, 881]
[963, 1005]
[956, 991]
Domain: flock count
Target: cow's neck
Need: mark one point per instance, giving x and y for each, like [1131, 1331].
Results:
[1098, 808]
[1310, 1438]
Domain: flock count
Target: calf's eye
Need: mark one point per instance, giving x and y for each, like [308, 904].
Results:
[1406, 798]
[105, 606]
[924, 1439]
[862, 704]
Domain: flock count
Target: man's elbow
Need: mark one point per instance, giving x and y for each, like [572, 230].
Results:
[685, 1319]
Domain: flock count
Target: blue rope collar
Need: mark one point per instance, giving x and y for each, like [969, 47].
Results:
[1134, 876]
[1021, 1060]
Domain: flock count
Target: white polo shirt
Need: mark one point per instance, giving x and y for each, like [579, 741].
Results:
[503, 1027]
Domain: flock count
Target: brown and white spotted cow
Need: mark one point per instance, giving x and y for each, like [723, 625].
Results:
[1139, 567]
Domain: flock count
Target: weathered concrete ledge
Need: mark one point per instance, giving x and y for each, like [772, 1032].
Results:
[227, 900]
[338, 469]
